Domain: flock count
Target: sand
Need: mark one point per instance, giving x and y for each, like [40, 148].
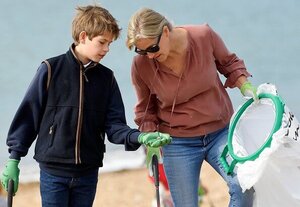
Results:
[130, 188]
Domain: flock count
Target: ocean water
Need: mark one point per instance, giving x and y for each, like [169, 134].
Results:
[265, 34]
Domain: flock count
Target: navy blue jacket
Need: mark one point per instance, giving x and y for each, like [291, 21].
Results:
[71, 117]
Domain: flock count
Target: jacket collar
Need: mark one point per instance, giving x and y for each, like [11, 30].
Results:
[74, 59]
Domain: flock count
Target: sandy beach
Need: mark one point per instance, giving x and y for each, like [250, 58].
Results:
[130, 188]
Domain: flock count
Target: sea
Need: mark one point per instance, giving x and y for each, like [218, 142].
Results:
[265, 34]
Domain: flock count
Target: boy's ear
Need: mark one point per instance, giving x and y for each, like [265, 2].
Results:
[82, 37]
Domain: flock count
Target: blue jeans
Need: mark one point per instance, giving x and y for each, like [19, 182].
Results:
[183, 159]
[67, 191]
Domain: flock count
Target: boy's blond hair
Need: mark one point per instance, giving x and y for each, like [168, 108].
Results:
[94, 20]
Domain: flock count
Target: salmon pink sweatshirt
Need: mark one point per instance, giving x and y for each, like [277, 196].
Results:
[195, 103]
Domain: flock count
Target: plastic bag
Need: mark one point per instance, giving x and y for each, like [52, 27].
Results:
[275, 174]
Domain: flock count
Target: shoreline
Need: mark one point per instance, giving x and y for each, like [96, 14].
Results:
[130, 188]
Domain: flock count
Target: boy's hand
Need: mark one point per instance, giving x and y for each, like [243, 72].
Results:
[11, 172]
[154, 139]
[248, 90]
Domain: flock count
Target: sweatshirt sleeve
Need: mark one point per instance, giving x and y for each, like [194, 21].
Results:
[145, 109]
[228, 63]
[116, 128]
[26, 122]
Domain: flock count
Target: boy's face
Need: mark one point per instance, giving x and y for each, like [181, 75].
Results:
[96, 48]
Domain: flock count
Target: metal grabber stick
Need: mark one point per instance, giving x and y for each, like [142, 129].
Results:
[156, 177]
[10, 193]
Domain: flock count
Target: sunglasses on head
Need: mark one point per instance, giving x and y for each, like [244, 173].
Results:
[151, 49]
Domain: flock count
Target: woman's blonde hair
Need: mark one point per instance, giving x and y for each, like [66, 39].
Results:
[145, 23]
[94, 20]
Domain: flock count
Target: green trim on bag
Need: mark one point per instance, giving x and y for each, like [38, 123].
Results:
[279, 110]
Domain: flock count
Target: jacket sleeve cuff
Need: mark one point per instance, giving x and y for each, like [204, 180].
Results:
[134, 137]
[133, 143]
[15, 155]
[231, 80]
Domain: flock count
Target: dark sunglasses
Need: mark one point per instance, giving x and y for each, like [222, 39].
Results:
[151, 49]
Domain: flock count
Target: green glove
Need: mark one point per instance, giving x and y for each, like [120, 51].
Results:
[154, 139]
[11, 171]
[150, 152]
[248, 90]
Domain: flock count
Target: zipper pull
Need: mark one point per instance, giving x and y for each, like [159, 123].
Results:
[86, 79]
[51, 130]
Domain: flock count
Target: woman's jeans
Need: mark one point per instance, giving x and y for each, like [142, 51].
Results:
[183, 159]
[67, 191]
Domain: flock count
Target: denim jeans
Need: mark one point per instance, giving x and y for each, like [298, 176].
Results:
[67, 191]
[183, 159]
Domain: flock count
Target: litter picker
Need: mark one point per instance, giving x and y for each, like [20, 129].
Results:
[156, 177]
[10, 193]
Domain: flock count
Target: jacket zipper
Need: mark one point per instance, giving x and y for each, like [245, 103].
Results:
[79, 120]
[82, 78]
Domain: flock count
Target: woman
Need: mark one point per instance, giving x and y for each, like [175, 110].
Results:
[179, 92]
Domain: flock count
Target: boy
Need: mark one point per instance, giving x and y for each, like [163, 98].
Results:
[71, 103]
